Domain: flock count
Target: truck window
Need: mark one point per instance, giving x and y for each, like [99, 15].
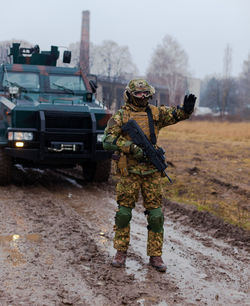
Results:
[24, 79]
[72, 82]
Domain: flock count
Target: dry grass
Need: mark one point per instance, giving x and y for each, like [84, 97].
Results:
[223, 131]
[211, 167]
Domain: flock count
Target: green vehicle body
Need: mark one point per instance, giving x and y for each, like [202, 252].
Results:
[52, 111]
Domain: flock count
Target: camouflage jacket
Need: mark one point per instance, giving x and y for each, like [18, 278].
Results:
[116, 140]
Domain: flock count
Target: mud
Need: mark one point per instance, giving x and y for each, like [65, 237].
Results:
[56, 248]
[206, 222]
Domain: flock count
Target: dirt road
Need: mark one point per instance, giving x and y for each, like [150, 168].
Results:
[56, 248]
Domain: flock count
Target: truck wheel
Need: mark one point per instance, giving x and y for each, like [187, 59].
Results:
[97, 171]
[5, 168]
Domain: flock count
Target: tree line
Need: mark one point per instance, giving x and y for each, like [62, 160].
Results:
[227, 95]
[168, 67]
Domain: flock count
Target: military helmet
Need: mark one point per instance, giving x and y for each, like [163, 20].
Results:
[139, 88]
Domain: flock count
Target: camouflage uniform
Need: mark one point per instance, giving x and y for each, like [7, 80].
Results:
[137, 174]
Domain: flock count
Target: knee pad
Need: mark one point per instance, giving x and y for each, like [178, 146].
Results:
[155, 220]
[123, 216]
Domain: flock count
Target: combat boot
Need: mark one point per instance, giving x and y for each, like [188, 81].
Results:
[119, 259]
[157, 263]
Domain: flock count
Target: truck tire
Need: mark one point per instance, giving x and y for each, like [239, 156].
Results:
[96, 171]
[5, 168]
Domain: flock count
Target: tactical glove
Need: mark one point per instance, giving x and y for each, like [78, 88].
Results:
[136, 151]
[188, 104]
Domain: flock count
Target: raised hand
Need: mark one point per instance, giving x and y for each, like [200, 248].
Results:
[188, 104]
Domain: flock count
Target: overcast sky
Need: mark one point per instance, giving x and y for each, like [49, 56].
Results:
[202, 27]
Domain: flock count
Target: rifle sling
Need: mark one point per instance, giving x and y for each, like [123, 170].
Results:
[151, 125]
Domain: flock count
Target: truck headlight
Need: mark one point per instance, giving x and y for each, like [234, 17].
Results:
[20, 136]
[99, 137]
[10, 136]
[27, 136]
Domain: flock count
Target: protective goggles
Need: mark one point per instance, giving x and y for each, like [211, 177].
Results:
[141, 94]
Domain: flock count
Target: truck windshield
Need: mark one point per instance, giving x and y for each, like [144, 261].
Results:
[22, 79]
[70, 82]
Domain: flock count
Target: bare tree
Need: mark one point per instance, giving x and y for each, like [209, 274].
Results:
[114, 63]
[227, 80]
[108, 59]
[111, 60]
[75, 54]
[211, 93]
[245, 85]
[169, 67]
[4, 53]
[227, 63]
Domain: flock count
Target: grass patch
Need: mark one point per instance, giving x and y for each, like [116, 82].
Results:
[210, 167]
[226, 131]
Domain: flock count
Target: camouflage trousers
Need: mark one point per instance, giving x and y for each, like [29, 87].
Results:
[127, 191]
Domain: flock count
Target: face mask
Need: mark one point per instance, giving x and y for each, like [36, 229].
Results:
[139, 101]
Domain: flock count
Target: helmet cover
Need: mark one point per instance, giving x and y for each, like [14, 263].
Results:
[140, 91]
[139, 86]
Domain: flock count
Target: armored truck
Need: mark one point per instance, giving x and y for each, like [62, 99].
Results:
[49, 116]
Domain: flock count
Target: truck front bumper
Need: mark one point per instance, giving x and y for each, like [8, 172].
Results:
[54, 157]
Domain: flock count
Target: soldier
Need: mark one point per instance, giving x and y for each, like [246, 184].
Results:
[135, 171]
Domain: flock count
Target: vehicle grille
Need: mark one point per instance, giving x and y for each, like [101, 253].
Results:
[80, 138]
[64, 120]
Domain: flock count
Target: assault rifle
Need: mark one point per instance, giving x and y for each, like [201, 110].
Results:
[156, 156]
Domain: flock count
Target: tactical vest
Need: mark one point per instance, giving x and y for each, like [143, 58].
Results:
[127, 163]
[142, 119]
